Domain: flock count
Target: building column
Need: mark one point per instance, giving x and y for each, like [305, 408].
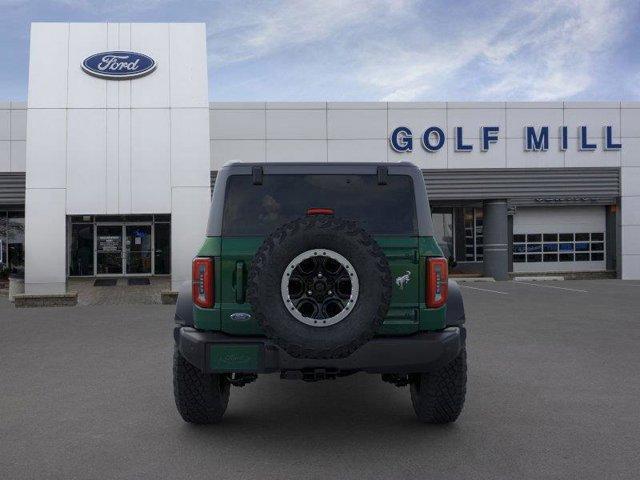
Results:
[495, 240]
[45, 241]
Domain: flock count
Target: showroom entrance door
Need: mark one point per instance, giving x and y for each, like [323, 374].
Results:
[139, 249]
[124, 249]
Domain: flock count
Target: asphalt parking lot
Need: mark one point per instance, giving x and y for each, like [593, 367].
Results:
[554, 392]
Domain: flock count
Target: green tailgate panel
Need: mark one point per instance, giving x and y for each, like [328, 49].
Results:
[407, 313]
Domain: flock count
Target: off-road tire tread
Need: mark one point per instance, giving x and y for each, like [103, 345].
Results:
[346, 227]
[438, 397]
[200, 398]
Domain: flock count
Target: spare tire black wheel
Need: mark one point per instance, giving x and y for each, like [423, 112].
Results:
[320, 287]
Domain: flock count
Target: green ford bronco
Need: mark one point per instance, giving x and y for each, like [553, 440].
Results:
[318, 271]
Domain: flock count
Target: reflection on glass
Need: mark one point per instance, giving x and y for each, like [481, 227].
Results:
[138, 244]
[81, 257]
[109, 249]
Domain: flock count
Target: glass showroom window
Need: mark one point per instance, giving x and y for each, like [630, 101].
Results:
[558, 247]
[443, 228]
[11, 242]
[473, 239]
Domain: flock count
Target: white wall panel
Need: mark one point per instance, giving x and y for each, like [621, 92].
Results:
[598, 158]
[223, 151]
[152, 91]
[418, 120]
[358, 150]
[296, 124]
[630, 211]
[150, 161]
[188, 54]
[630, 153]
[189, 145]
[45, 241]
[47, 148]
[124, 161]
[472, 119]
[18, 156]
[111, 162]
[630, 120]
[495, 157]
[630, 268]
[296, 151]
[5, 156]
[630, 239]
[420, 156]
[113, 33]
[592, 118]
[518, 118]
[86, 91]
[237, 124]
[86, 161]
[630, 181]
[48, 62]
[517, 157]
[190, 210]
[357, 124]
[18, 124]
[5, 124]
[124, 86]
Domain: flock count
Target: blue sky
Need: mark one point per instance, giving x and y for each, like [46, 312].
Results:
[363, 50]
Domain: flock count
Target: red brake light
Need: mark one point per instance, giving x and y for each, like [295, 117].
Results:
[202, 282]
[437, 282]
[320, 211]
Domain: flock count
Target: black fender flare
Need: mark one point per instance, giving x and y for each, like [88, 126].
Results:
[184, 306]
[455, 305]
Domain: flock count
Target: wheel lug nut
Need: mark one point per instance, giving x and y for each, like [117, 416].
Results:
[309, 292]
[330, 292]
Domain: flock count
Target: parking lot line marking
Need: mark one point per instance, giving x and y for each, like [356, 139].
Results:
[484, 289]
[552, 286]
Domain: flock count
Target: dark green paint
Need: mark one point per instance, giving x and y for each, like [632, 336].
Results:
[407, 313]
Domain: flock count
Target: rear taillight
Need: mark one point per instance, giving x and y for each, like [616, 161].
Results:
[437, 282]
[202, 282]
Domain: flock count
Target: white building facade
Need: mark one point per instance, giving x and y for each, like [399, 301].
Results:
[118, 171]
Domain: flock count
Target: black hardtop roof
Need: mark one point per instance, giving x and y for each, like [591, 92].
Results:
[423, 211]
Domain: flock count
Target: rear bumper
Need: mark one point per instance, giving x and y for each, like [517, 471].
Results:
[215, 352]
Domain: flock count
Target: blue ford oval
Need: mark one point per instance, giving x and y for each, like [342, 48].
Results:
[118, 65]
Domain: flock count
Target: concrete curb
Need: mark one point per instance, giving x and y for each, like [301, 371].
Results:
[168, 297]
[69, 299]
[538, 279]
[474, 279]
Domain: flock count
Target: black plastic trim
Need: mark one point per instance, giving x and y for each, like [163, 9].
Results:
[421, 352]
[455, 305]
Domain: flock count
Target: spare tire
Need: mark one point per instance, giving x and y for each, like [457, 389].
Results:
[320, 287]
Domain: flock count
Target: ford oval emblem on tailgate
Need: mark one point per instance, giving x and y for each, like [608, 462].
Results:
[240, 317]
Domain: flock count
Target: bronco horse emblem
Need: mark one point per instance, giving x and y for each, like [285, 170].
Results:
[402, 280]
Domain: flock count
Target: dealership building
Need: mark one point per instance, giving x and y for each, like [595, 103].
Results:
[107, 168]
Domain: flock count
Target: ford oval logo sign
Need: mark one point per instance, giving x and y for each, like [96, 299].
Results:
[118, 65]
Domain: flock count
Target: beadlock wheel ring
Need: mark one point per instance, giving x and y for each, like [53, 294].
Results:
[319, 287]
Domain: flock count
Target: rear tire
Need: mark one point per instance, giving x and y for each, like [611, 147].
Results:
[438, 397]
[200, 398]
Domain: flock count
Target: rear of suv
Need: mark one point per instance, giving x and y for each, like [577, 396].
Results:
[317, 271]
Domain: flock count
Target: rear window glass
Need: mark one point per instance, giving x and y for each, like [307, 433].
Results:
[259, 209]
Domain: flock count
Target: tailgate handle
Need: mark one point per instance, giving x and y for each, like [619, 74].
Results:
[239, 282]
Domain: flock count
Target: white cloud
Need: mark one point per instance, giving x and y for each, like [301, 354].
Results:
[546, 51]
[257, 30]
[406, 50]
